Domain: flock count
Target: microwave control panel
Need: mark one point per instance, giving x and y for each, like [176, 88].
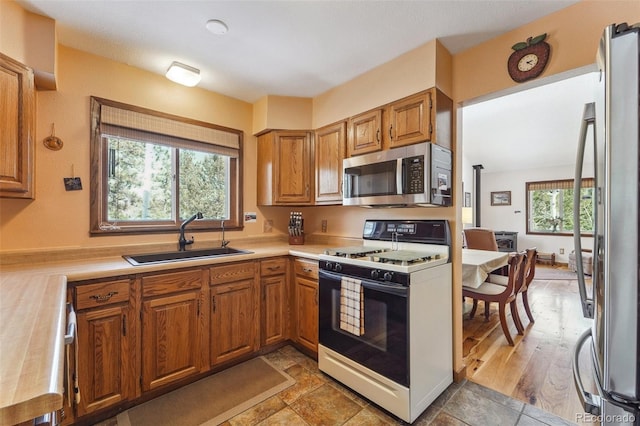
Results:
[413, 175]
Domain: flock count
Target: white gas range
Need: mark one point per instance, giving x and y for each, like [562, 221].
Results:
[385, 314]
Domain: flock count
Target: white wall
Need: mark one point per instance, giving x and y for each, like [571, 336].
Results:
[514, 217]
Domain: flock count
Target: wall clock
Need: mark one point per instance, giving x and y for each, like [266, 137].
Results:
[528, 59]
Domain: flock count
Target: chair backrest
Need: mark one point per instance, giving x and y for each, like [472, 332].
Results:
[516, 272]
[481, 239]
[529, 268]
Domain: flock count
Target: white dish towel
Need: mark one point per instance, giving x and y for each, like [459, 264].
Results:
[352, 306]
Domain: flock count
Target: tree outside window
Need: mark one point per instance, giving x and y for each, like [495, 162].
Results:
[550, 207]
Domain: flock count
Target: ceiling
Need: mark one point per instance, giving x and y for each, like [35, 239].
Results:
[287, 48]
[534, 128]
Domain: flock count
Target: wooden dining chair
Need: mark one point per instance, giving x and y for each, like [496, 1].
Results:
[529, 274]
[490, 292]
[480, 239]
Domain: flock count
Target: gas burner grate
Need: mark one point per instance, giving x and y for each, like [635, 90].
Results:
[403, 257]
[354, 252]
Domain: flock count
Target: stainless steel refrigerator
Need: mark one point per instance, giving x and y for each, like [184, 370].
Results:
[614, 300]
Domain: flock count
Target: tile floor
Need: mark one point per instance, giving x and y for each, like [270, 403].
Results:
[317, 399]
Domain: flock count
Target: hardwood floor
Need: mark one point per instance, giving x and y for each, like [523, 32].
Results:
[538, 368]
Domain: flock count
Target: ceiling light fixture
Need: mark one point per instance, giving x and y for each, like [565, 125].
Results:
[183, 74]
[217, 27]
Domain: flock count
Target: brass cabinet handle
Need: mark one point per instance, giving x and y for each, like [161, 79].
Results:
[307, 270]
[391, 132]
[378, 135]
[100, 298]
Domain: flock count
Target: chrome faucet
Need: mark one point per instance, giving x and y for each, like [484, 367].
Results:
[182, 241]
[224, 242]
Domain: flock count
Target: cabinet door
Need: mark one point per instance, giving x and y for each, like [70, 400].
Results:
[365, 133]
[233, 329]
[274, 298]
[293, 167]
[410, 120]
[330, 151]
[307, 312]
[170, 339]
[103, 358]
[17, 121]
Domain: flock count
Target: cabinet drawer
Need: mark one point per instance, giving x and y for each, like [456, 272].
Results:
[306, 268]
[233, 272]
[101, 294]
[174, 282]
[273, 267]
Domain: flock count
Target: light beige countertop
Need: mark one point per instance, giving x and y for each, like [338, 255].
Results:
[33, 317]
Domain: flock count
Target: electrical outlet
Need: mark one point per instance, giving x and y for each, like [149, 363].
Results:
[267, 226]
[324, 225]
[561, 251]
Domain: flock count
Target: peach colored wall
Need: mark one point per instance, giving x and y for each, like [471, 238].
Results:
[35, 48]
[60, 219]
[13, 20]
[282, 112]
[407, 74]
[573, 33]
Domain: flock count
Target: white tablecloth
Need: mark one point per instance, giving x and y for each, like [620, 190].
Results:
[477, 264]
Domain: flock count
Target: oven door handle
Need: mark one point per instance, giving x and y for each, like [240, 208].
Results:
[394, 289]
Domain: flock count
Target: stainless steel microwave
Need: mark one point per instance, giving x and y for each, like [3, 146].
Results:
[412, 175]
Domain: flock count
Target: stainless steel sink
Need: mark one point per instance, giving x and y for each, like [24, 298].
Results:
[176, 256]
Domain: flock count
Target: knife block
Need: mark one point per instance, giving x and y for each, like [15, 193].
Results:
[296, 240]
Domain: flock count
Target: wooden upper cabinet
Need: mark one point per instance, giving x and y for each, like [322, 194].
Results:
[410, 120]
[285, 168]
[330, 145]
[423, 117]
[365, 133]
[17, 121]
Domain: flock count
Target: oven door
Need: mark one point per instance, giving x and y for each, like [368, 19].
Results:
[384, 345]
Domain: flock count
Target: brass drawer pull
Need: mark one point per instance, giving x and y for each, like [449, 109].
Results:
[307, 270]
[100, 298]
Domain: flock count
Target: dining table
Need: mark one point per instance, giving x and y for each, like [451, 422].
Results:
[478, 264]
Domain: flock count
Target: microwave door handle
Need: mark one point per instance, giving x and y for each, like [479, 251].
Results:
[588, 119]
[399, 176]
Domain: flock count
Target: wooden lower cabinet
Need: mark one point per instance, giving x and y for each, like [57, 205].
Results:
[233, 325]
[105, 346]
[141, 333]
[273, 308]
[170, 339]
[171, 327]
[305, 316]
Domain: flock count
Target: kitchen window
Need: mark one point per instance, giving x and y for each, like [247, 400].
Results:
[550, 207]
[151, 171]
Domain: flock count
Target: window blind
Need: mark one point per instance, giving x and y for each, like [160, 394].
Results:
[558, 184]
[141, 124]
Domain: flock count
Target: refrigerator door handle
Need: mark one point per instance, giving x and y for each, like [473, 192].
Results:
[588, 119]
[590, 402]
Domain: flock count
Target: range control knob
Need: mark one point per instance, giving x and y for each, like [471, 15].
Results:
[328, 265]
[337, 267]
[375, 274]
[388, 276]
